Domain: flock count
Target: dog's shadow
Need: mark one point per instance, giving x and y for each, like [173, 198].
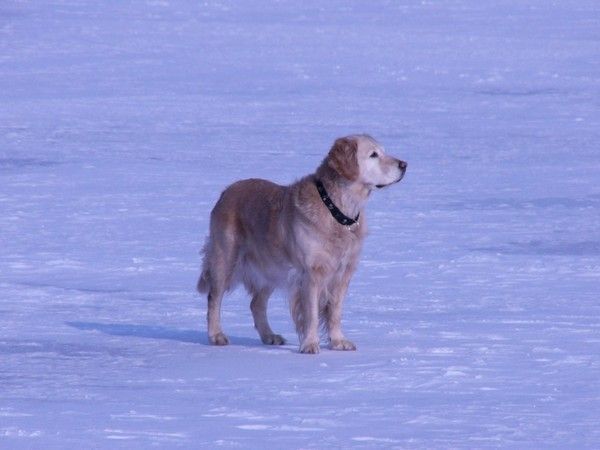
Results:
[158, 332]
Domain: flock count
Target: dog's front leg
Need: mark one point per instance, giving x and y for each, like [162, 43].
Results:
[307, 323]
[333, 311]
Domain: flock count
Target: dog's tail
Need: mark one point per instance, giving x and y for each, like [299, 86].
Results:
[203, 285]
[203, 282]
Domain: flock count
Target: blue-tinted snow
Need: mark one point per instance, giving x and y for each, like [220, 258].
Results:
[476, 307]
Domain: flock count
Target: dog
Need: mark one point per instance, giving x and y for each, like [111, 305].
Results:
[305, 237]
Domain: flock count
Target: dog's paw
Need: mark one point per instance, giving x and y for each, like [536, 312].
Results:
[310, 348]
[342, 344]
[273, 339]
[219, 339]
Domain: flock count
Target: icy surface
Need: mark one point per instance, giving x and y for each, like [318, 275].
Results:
[476, 308]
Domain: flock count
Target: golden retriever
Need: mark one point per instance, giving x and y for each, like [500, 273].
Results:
[305, 237]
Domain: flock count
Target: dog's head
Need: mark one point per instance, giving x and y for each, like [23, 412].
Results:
[361, 159]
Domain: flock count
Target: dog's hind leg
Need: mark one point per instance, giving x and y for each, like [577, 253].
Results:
[215, 333]
[258, 306]
[221, 260]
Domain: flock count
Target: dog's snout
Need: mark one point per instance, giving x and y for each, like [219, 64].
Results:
[402, 165]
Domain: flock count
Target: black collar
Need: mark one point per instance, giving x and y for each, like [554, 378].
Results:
[334, 210]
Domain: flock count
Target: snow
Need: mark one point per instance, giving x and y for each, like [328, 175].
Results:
[475, 308]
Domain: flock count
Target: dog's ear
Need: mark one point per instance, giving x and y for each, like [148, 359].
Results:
[342, 158]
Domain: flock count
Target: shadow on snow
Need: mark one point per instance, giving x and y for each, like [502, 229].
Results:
[157, 332]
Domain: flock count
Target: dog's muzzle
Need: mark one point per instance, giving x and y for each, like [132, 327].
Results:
[402, 165]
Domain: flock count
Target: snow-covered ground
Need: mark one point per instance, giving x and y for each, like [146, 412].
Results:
[476, 308]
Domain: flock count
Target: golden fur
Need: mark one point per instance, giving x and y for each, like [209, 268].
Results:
[268, 236]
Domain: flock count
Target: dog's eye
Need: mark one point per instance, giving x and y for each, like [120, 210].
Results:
[374, 155]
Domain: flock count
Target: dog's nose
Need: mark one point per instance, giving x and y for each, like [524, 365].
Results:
[402, 165]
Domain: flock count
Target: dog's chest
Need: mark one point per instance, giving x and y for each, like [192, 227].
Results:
[343, 245]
